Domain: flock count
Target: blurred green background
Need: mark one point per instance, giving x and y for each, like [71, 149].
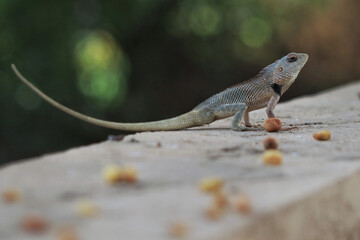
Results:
[140, 60]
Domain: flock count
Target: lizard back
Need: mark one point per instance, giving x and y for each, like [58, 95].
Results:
[253, 92]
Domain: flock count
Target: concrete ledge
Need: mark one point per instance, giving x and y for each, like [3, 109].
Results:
[313, 195]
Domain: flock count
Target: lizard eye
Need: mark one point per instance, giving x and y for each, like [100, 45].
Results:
[292, 58]
[281, 69]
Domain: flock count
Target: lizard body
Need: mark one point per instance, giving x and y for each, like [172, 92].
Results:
[264, 90]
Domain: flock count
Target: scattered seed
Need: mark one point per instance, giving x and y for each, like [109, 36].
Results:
[11, 195]
[178, 229]
[243, 204]
[272, 125]
[34, 223]
[270, 143]
[129, 174]
[114, 174]
[211, 184]
[86, 208]
[66, 233]
[323, 135]
[220, 199]
[272, 157]
[214, 212]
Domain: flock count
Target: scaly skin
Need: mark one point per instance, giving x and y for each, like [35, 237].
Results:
[264, 90]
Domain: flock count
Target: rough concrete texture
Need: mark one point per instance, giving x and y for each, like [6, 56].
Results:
[314, 194]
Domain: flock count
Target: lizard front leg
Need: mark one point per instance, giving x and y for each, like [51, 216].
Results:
[271, 106]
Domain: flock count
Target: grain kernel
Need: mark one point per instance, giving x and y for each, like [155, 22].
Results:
[113, 174]
[86, 208]
[270, 143]
[272, 157]
[66, 233]
[11, 195]
[211, 184]
[272, 125]
[243, 204]
[178, 229]
[34, 223]
[220, 199]
[323, 135]
[129, 174]
[214, 212]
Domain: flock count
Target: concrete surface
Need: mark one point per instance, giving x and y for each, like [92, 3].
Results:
[315, 194]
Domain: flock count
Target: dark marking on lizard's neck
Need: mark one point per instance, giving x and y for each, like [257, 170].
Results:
[277, 88]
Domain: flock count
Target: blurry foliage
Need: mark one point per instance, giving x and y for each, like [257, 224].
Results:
[102, 68]
[139, 60]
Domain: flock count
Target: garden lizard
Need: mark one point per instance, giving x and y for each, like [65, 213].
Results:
[263, 90]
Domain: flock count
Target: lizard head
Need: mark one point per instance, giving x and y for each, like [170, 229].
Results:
[287, 68]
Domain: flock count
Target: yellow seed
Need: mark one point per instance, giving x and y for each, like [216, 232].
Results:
[272, 157]
[113, 174]
[211, 184]
[178, 229]
[11, 195]
[86, 208]
[129, 174]
[323, 135]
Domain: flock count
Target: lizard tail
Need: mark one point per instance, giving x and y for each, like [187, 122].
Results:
[190, 119]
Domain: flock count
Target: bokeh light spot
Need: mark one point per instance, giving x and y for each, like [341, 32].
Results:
[102, 68]
[255, 32]
[204, 20]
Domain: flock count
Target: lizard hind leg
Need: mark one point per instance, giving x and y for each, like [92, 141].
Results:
[247, 121]
[242, 112]
[238, 110]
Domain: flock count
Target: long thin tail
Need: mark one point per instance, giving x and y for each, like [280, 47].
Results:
[190, 119]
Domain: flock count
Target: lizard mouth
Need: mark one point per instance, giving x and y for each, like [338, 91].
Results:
[300, 62]
[303, 57]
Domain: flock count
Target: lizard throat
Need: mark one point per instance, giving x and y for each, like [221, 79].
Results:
[276, 88]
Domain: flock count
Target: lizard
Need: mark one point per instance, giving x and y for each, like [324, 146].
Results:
[263, 90]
